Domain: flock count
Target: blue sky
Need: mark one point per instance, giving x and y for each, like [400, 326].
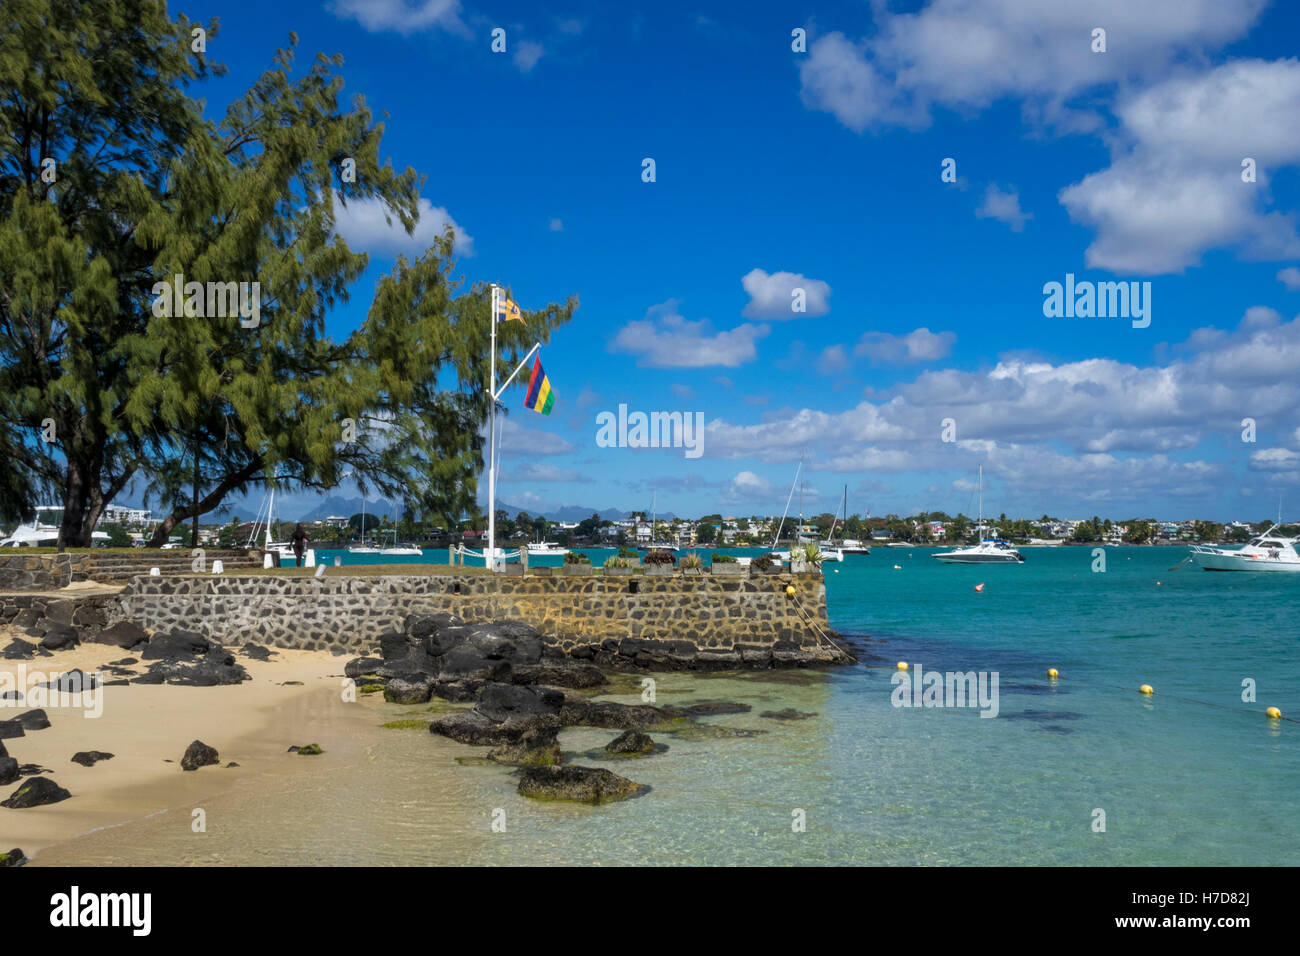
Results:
[821, 170]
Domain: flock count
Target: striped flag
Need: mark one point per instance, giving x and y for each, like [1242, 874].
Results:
[508, 311]
[540, 398]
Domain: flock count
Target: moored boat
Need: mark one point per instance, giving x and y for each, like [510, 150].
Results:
[1267, 552]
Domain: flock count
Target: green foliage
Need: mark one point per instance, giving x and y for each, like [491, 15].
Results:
[691, 561]
[618, 561]
[717, 558]
[146, 188]
[576, 557]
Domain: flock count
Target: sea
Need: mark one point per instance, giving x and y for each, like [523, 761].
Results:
[1082, 769]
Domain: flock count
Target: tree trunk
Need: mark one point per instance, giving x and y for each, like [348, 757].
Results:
[206, 504]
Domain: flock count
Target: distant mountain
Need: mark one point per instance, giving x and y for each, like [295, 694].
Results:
[577, 512]
[347, 507]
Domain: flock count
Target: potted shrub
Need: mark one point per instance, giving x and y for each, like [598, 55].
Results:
[575, 562]
[691, 563]
[726, 564]
[619, 565]
[765, 564]
[805, 558]
[660, 562]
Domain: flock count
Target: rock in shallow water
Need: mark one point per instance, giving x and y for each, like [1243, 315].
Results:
[631, 743]
[36, 792]
[580, 784]
[409, 689]
[788, 713]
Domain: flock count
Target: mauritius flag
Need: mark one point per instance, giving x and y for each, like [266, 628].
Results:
[540, 397]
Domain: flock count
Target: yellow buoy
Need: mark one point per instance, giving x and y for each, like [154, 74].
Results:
[789, 590]
[1274, 713]
[1146, 689]
[902, 665]
[1053, 673]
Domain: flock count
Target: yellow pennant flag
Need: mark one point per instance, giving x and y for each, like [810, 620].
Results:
[507, 311]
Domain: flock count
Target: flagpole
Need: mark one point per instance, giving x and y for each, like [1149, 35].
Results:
[492, 441]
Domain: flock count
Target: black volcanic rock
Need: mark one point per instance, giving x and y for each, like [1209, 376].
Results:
[35, 792]
[580, 784]
[630, 743]
[33, 720]
[198, 754]
[123, 634]
[88, 758]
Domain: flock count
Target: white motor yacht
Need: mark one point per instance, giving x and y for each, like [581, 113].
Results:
[1267, 552]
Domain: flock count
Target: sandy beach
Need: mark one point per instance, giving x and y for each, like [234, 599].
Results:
[145, 726]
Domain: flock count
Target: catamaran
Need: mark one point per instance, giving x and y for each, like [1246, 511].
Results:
[1266, 552]
[990, 551]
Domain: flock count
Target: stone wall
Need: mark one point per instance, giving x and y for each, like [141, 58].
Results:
[701, 618]
[41, 572]
[21, 571]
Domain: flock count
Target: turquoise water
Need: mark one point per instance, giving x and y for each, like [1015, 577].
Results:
[1192, 775]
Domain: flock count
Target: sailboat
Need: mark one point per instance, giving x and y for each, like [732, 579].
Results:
[656, 545]
[283, 548]
[401, 549]
[992, 551]
[363, 548]
[829, 549]
[785, 555]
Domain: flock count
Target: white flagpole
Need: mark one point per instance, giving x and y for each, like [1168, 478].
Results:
[492, 441]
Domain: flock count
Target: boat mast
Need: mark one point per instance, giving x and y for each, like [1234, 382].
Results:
[787, 505]
[980, 527]
[270, 510]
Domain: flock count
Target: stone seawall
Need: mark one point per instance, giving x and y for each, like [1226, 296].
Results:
[24, 571]
[665, 619]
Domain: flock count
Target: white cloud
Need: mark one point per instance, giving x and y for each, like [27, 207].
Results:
[1174, 189]
[772, 296]
[666, 340]
[684, 392]
[515, 439]
[1102, 429]
[557, 225]
[919, 345]
[968, 54]
[399, 16]
[1004, 207]
[1290, 277]
[366, 226]
[833, 360]
[1275, 459]
[527, 54]
[534, 472]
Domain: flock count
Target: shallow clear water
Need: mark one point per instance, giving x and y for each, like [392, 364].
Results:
[1190, 776]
